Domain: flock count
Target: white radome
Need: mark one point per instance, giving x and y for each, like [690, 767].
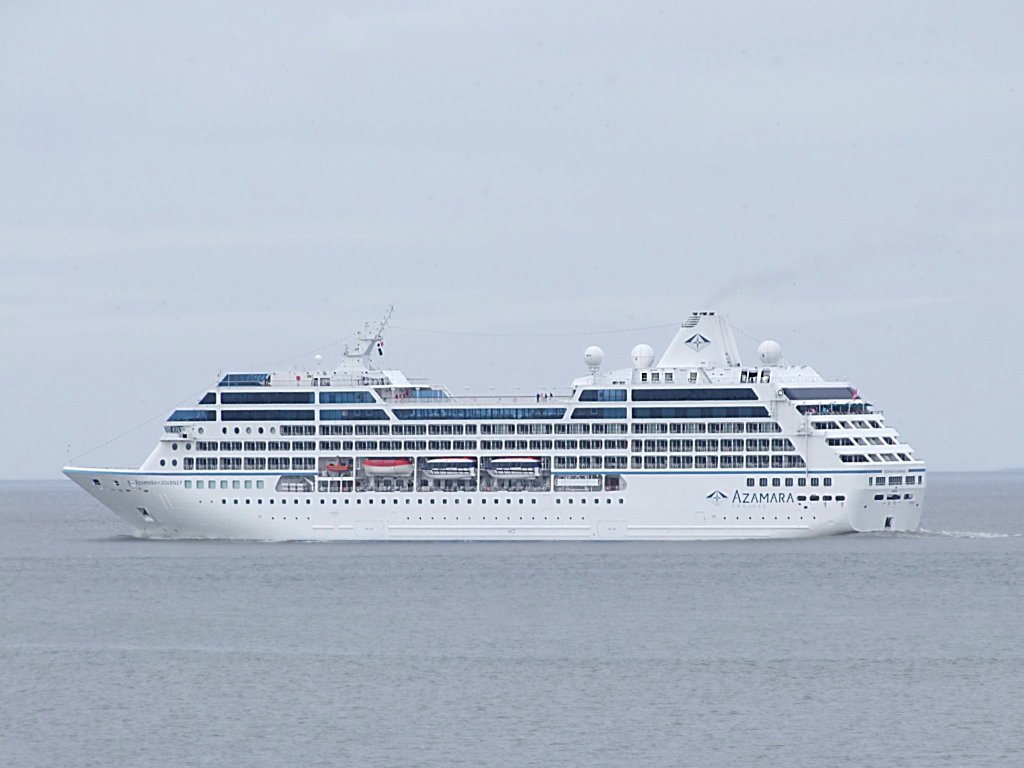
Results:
[593, 356]
[769, 352]
[643, 356]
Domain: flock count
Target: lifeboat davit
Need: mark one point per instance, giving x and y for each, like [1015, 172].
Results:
[388, 467]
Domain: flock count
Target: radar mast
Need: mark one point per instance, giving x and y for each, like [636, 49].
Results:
[369, 339]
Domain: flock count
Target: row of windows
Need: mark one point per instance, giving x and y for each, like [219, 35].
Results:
[818, 393]
[599, 413]
[331, 487]
[296, 429]
[855, 407]
[637, 446]
[253, 445]
[468, 414]
[235, 484]
[250, 463]
[775, 482]
[870, 424]
[346, 397]
[788, 482]
[688, 427]
[353, 414]
[278, 398]
[713, 427]
[700, 461]
[265, 398]
[836, 441]
[245, 380]
[591, 462]
[860, 458]
[712, 445]
[472, 429]
[701, 412]
[186, 414]
[715, 393]
[603, 395]
[897, 480]
[271, 415]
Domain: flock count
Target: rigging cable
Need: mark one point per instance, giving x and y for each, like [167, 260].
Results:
[533, 335]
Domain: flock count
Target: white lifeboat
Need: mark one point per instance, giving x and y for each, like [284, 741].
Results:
[449, 467]
[514, 467]
[388, 467]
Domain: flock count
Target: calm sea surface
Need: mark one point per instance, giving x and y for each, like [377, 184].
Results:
[896, 650]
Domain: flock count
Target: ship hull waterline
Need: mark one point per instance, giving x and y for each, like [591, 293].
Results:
[711, 507]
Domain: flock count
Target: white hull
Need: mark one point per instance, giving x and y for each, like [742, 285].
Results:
[653, 507]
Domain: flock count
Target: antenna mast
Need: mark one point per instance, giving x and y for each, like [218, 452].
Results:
[370, 338]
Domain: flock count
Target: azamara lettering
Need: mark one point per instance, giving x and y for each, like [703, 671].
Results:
[777, 497]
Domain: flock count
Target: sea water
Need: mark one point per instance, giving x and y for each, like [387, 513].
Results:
[860, 650]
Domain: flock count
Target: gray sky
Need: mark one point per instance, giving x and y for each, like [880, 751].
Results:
[191, 188]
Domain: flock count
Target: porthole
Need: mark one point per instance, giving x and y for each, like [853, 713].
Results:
[163, 462]
[174, 446]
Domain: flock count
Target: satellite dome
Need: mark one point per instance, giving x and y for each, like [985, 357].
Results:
[642, 355]
[769, 352]
[593, 356]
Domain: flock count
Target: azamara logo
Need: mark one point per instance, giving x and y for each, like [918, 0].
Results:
[716, 497]
[764, 497]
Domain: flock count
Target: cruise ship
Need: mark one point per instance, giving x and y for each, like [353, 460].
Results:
[694, 445]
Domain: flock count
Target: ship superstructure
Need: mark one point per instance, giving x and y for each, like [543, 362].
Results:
[695, 445]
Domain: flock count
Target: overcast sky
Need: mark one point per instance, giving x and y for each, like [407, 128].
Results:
[192, 188]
